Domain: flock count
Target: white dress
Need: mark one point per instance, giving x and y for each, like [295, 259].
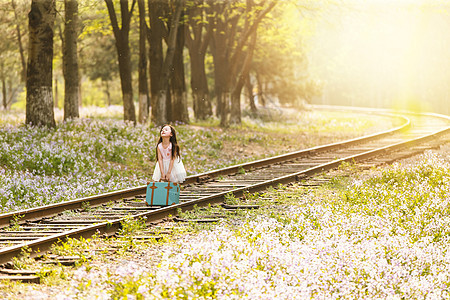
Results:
[178, 173]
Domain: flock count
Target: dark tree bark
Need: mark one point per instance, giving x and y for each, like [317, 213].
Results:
[161, 96]
[178, 85]
[124, 55]
[70, 61]
[39, 106]
[221, 46]
[155, 37]
[197, 43]
[144, 102]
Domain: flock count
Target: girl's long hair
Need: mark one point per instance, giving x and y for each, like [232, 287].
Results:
[173, 141]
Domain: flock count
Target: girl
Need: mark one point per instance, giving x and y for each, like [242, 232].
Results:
[169, 166]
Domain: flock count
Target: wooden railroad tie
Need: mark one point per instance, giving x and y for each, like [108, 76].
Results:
[27, 276]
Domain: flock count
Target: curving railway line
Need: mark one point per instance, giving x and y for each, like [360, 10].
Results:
[38, 228]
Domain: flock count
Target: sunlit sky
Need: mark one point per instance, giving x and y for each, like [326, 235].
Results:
[381, 51]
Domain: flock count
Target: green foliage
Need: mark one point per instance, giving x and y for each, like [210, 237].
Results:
[85, 206]
[280, 56]
[241, 170]
[73, 247]
[279, 50]
[124, 289]
[231, 199]
[52, 276]
[15, 223]
[23, 260]
[130, 225]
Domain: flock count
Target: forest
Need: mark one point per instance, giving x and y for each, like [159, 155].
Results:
[163, 60]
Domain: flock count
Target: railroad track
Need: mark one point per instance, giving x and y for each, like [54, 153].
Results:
[38, 228]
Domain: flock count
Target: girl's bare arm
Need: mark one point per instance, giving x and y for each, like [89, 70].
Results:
[160, 162]
[170, 168]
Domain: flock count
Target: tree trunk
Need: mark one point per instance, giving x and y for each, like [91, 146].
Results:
[80, 96]
[8, 93]
[143, 84]
[169, 106]
[39, 106]
[235, 116]
[218, 50]
[161, 105]
[197, 43]
[199, 85]
[220, 79]
[155, 38]
[227, 49]
[4, 95]
[123, 51]
[260, 94]
[179, 100]
[224, 113]
[222, 43]
[70, 61]
[11, 92]
[251, 97]
[56, 92]
[23, 74]
[107, 92]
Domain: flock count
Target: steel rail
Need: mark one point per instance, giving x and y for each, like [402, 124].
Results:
[109, 227]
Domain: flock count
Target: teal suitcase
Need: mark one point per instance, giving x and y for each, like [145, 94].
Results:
[163, 193]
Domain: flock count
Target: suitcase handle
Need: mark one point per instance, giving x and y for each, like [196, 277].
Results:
[148, 182]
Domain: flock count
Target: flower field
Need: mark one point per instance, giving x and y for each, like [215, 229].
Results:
[100, 153]
[378, 234]
[382, 234]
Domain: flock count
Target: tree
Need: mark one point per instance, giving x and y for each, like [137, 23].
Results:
[235, 116]
[144, 101]
[121, 35]
[224, 25]
[159, 110]
[98, 53]
[156, 33]
[7, 78]
[197, 40]
[17, 22]
[39, 106]
[102, 62]
[12, 76]
[280, 66]
[178, 85]
[233, 24]
[70, 60]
